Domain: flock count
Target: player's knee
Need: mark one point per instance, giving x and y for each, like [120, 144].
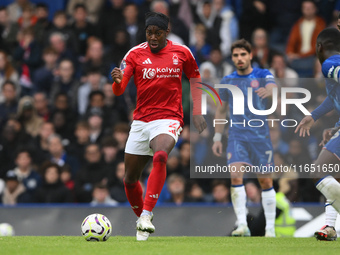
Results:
[130, 178]
[266, 183]
[160, 157]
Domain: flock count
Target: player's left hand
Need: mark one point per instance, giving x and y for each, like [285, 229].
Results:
[199, 123]
[305, 125]
[263, 92]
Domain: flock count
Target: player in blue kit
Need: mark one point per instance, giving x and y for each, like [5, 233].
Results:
[328, 53]
[247, 145]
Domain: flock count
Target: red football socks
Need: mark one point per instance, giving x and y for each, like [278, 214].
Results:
[156, 180]
[134, 194]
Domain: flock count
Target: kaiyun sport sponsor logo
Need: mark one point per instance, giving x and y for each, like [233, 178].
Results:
[165, 72]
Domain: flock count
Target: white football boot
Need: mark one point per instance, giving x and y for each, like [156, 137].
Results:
[270, 232]
[144, 227]
[242, 230]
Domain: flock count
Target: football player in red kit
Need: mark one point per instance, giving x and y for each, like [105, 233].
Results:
[157, 67]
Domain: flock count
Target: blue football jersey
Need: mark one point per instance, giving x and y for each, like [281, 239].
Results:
[331, 70]
[256, 79]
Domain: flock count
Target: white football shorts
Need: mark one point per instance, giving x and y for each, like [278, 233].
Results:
[141, 134]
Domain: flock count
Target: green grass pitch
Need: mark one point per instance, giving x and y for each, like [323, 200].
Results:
[119, 245]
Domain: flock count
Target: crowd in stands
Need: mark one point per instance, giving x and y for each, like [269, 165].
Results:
[63, 131]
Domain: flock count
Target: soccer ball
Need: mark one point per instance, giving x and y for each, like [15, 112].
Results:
[96, 227]
[6, 229]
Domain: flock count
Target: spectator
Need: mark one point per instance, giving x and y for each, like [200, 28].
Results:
[43, 24]
[177, 25]
[120, 46]
[91, 173]
[10, 104]
[82, 139]
[28, 116]
[7, 73]
[302, 39]
[92, 7]
[262, 53]
[41, 142]
[208, 16]
[222, 68]
[97, 100]
[281, 71]
[101, 196]
[196, 192]
[110, 18]
[8, 31]
[66, 82]
[66, 178]
[229, 30]
[82, 28]
[59, 25]
[25, 172]
[176, 187]
[44, 76]
[59, 156]
[52, 189]
[254, 15]
[61, 105]
[220, 192]
[16, 8]
[14, 191]
[121, 133]
[95, 81]
[253, 193]
[200, 49]
[95, 58]
[109, 147]
[58, 42]
[131, 24]
[28, 18]
[116, 183]
[96, 126]
[62, 126]
[41, 105]
[28, 58]
[13, 137]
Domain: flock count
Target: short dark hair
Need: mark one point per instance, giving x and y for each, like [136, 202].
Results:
[60, 13]
[42, 5]
[108, 141]
[330, 39]
[338, 15]
[48, 164]
[96, 92]
[77, 6]
[151, 18]
[9, 82]
[243, 44]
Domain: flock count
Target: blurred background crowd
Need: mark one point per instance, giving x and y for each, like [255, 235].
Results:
[62, 130]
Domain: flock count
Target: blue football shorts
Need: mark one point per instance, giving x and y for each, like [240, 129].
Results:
[250, 153]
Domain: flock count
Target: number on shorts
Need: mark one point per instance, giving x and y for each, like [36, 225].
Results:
[270, 155]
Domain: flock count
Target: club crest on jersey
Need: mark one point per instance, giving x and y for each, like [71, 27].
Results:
[254, 84]
[149, 73]
[175, 59]
[122, 65]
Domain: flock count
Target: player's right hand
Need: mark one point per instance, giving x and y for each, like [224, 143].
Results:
[305, 125]
[327, 135]
[117, 75]
[217, 148]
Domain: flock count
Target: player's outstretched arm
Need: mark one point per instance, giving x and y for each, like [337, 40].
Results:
[305, 125]
[267, 91]
[221, 113]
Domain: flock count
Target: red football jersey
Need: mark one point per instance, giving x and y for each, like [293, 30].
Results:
[158, 78]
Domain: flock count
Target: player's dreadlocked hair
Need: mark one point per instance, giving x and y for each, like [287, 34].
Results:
[156, 19]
